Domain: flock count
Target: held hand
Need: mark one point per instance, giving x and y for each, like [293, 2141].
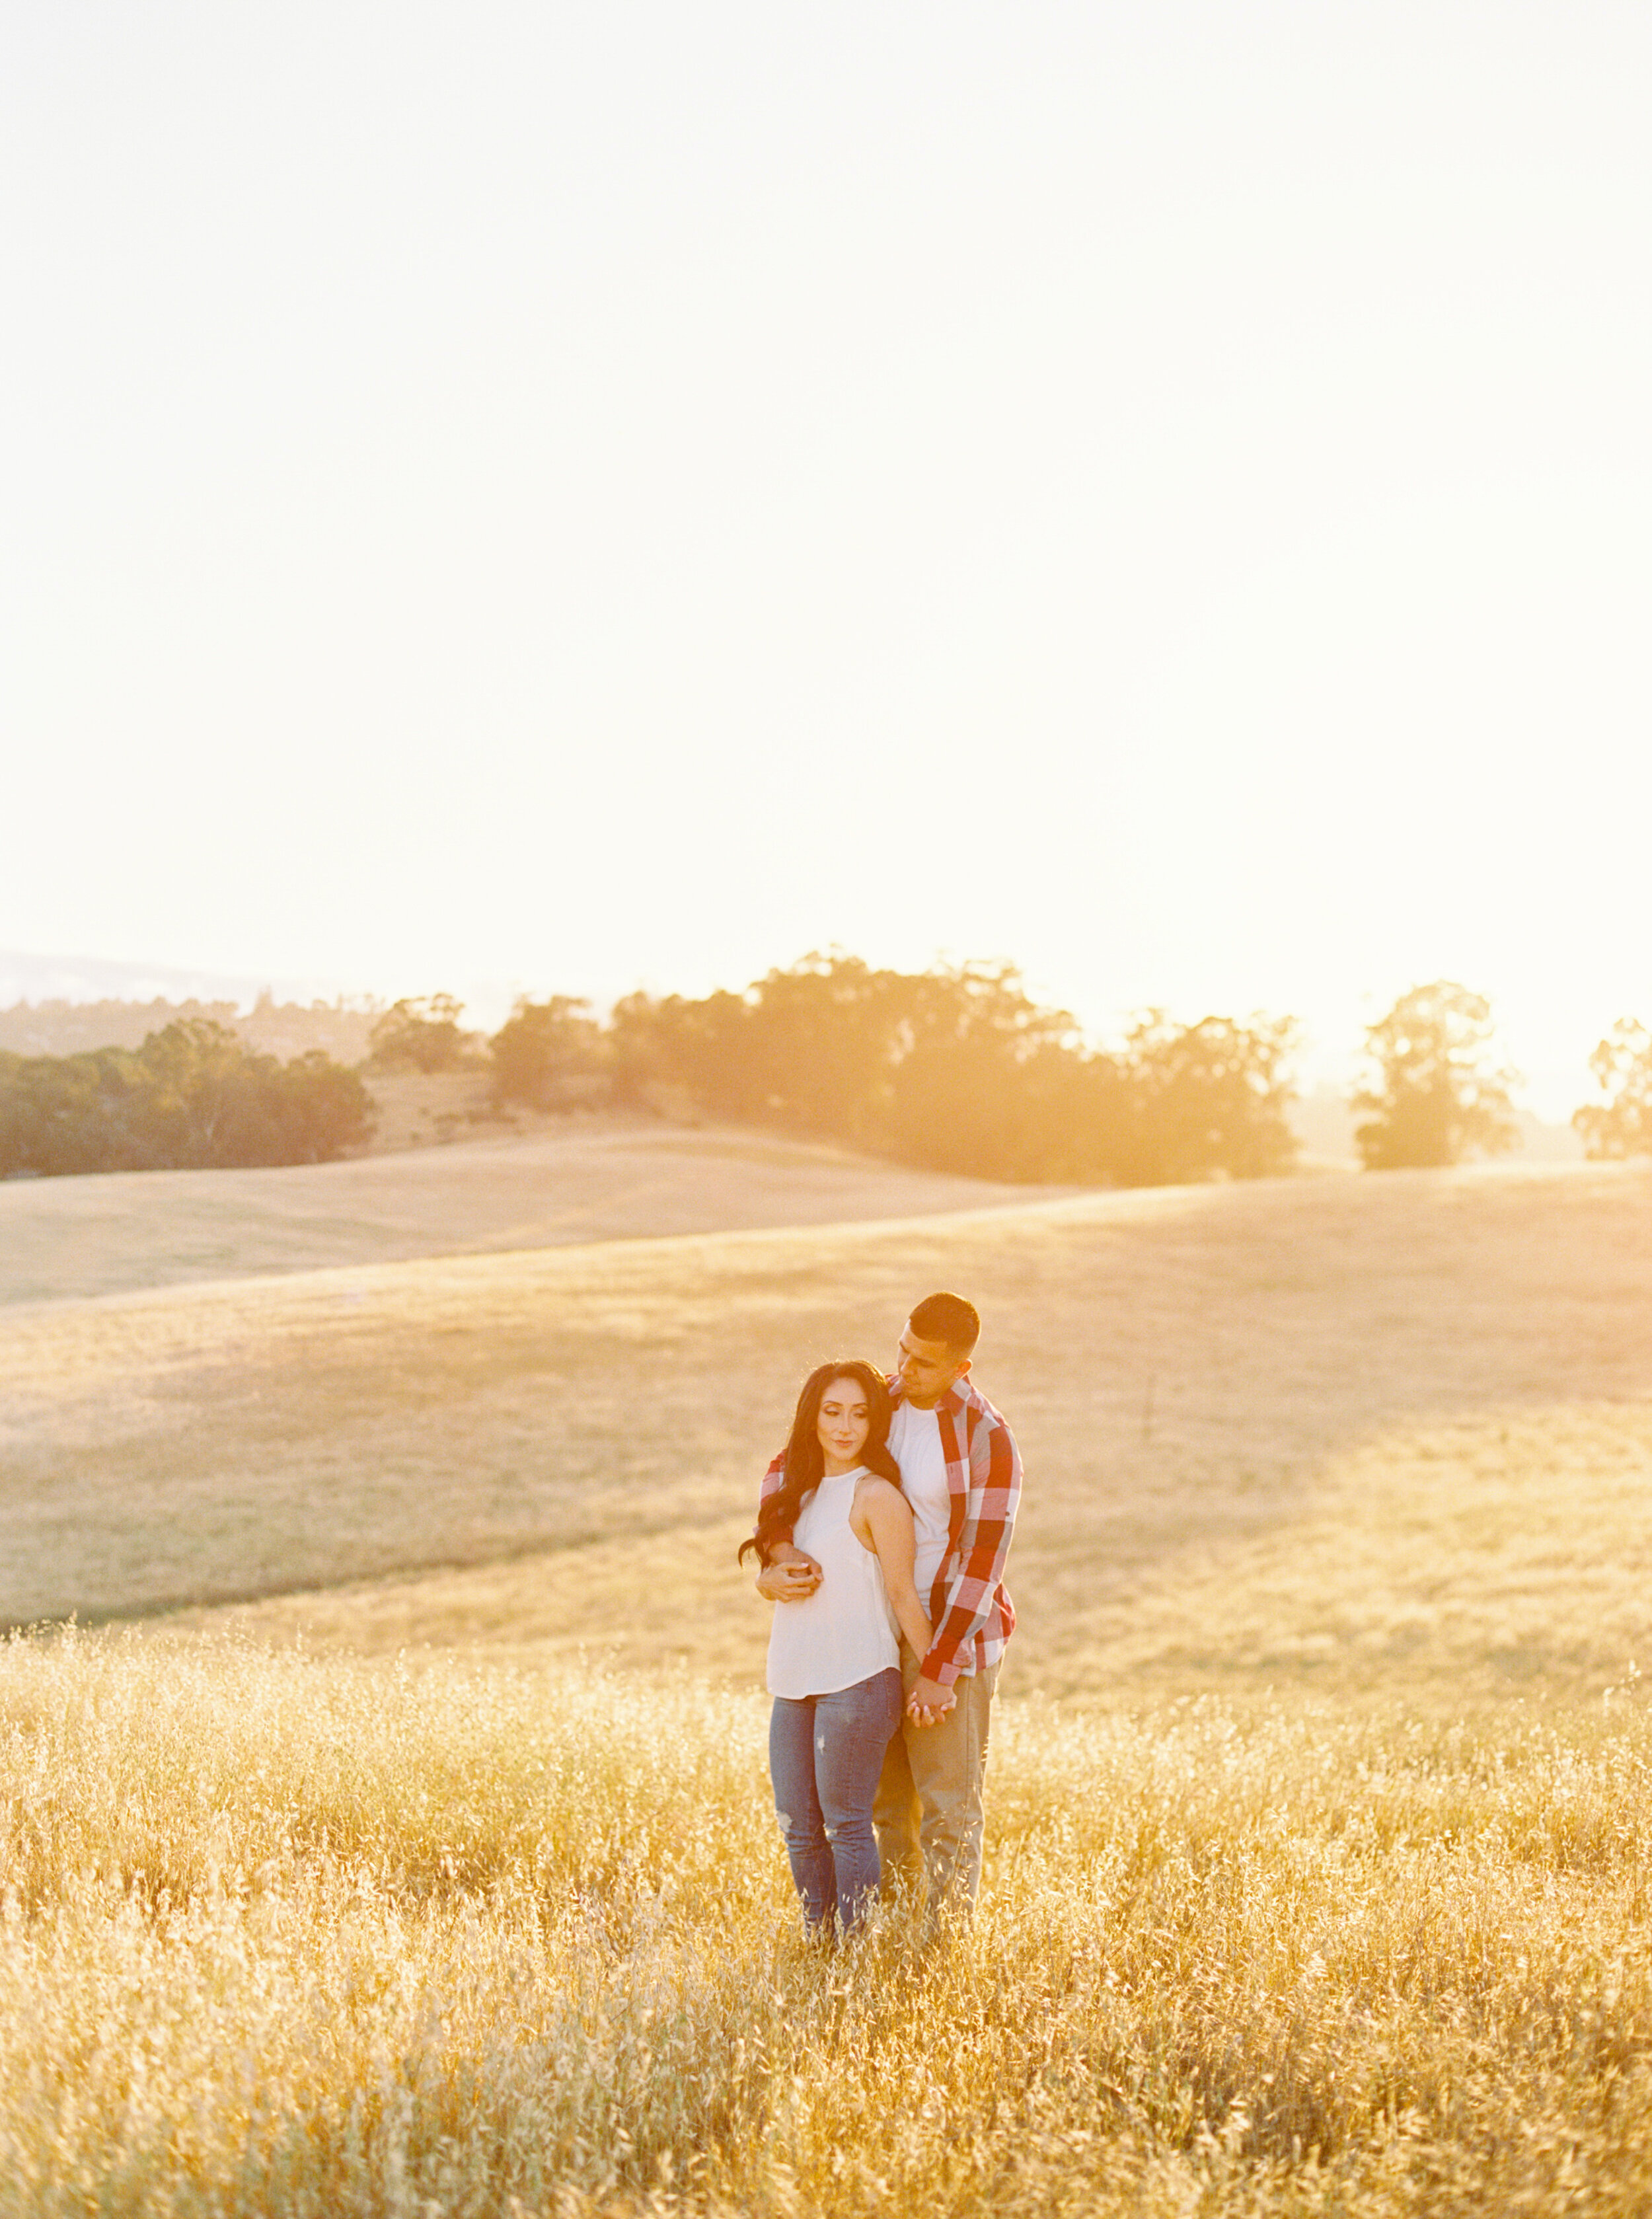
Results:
[794, 1581]
[929, 1702]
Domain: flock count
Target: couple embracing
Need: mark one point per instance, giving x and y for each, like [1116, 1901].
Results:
[882, 1534]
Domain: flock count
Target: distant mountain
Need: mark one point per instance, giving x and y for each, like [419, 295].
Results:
[59, 1006]
[279, 1028]
[27, 977]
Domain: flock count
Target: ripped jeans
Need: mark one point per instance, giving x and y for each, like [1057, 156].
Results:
[825, 1753]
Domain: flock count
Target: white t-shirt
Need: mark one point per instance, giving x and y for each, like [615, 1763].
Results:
[915, 1443]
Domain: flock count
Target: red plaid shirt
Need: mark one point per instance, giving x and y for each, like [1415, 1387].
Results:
[969, 1605]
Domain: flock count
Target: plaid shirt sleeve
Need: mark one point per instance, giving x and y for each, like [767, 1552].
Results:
[975, 1589]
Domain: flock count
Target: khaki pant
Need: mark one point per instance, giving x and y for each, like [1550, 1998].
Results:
[931, 1802]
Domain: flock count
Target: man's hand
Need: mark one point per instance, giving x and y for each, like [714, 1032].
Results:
[929, 1702]
[789, 1576]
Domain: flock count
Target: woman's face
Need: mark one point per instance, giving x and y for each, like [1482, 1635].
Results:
[845, 1421]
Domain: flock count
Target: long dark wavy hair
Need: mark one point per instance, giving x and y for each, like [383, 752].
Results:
[805, 1460]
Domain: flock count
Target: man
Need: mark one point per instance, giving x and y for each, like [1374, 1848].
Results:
[960, 1472]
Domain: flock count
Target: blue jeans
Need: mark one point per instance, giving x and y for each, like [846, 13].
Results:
[825, 1753]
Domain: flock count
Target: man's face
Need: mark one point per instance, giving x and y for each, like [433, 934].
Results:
[927, 1369]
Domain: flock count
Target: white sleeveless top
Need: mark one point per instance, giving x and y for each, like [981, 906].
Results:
[846, 1632]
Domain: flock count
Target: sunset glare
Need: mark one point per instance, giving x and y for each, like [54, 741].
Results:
[563, 499]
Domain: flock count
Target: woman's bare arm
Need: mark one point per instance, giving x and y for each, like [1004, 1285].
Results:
[787, 1576]
[887, 1519]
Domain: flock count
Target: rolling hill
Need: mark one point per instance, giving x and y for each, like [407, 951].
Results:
[1317, 1834]
[1245, 1410]
[574, 1181]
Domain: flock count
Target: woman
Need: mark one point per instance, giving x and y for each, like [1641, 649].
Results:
[834, 1659]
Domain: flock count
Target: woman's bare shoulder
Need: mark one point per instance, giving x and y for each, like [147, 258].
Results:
[876, 1491]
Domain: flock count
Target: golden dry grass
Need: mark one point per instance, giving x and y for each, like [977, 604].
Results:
[570, 1180]
[1453, 1567]
[284, 1935]
[1189, 1372]
[1319, 1828]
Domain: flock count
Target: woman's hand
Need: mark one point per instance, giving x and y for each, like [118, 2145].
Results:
[789, 1574]
[929, 1702]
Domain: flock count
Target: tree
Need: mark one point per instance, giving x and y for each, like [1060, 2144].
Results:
[190, 1097]
[703, 1048]
[1211, 1096]
[541, 1046]
[959, 1069]
[420, 1034]
[975, 1071]
[320, 1109]
[821, 1042]
[1621, 1124]
[1433, 1095]
[76, 1113]
[203, 1105]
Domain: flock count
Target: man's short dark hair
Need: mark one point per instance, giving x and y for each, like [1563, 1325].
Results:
[948, 1319]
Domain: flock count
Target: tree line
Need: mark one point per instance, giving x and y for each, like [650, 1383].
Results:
[192, 1097]
[955, 1069]
[958, 1069]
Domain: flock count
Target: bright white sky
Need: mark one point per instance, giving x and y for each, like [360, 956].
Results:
[577, 495]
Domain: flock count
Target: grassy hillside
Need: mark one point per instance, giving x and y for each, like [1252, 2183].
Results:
[573, 1180]
[1316, 1875]
[1220, 1391]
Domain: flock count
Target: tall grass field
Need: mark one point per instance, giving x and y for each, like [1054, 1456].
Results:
[320, 1936]
[411, 1852]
